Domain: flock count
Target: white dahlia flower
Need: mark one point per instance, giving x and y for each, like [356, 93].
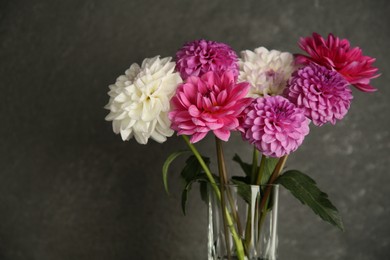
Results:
[266, 71]
[140, 100]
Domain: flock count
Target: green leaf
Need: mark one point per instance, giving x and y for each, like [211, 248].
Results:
[203, 191]
[304, 188]
[193, 172]
[243, 189]
[202, 178]
[184, 196]
[246, 167]
[269, 167]
[243, 179]
[193, 168]
[166, 165]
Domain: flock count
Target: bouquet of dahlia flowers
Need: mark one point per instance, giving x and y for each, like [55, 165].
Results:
[270, 97]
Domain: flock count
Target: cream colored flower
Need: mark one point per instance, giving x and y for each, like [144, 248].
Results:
[266, 71]
[140, 100]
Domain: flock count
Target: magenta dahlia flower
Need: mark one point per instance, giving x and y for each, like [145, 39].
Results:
[274, 125]
[323, 94]
[336, 54]
[201, 56]
[212, 102]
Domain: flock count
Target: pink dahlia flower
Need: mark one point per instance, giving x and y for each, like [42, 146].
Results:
[274, 125]
[336, 54]
[198, 57]
[323, 94]
[212, 102]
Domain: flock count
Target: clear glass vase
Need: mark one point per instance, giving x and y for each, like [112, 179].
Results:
[242, 222]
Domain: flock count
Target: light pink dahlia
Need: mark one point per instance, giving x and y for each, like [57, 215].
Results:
[323, 94]
[212, 102]
[336, 54]
[274, 125]
[201, 56]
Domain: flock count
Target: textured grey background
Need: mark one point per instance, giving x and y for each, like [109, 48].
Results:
[71, 189]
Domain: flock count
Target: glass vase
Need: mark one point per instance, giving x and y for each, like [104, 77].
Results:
[242, 222]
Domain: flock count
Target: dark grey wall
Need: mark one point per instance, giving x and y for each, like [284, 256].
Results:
[71, 189]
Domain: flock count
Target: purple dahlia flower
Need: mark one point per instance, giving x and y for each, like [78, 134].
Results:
[274, 125]
[198, 57]
[323, 94]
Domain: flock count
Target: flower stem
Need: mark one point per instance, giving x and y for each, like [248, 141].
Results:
[248, 228]
[261, 170]
[265, 199]
[204, 166]
[223, 182]
[254, 164]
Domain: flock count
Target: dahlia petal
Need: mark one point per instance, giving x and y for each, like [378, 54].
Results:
[120, 98]
[198, 122]
[228, 77]
[206, 103]
[365, 88]
[214, 126]
[222, 134]
[189, 90]
[186, 131]
[125, 134]
[140, 137]
[183, 100]
[186, 125]
[193, 111]
[230, 122]
[179, 116]
[208, 117]
[197, 137]
[280, 137]
[222, 97]
[268, 138]
[158, 137]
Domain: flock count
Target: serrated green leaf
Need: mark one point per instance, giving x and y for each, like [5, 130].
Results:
[246, 167]
[269, 167]
[304, 189]
[166, 165]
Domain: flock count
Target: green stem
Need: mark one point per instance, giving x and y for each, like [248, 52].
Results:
[254, 164]
[204, 166]
[248, 228]
[264, 200]
[223, 182]
[236, 238]
[261, 170]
